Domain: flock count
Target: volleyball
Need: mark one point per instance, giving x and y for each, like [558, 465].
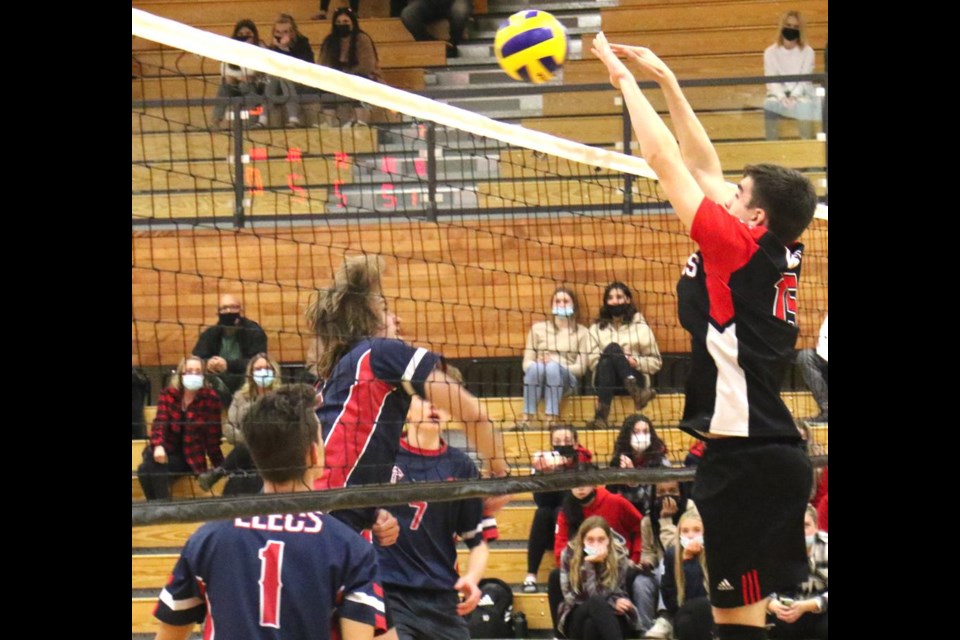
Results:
[531, 45]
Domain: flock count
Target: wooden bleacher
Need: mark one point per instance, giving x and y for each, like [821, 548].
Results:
[662, 16]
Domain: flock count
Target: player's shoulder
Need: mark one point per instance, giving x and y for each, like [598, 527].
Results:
[461, 459]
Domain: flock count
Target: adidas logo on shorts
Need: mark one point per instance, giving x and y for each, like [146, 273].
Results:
[485, 601]
[724, 586]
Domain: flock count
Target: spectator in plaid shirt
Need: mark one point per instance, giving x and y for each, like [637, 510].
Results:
[185, 431]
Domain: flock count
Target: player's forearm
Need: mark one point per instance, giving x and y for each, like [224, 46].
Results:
[699, 154]
[353, 630]
[173, 632]
[449, 395]
[477, 562]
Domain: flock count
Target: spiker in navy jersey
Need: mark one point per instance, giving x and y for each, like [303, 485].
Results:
[425, 554]
[365, 403]
[738, 300]
[271, 577]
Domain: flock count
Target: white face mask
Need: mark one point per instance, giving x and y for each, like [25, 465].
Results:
[640, 442]
[263, 377]
[685, 541]
[563, 312]
[811, 540]
[192, 381]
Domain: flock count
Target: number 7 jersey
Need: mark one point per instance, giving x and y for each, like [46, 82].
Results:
[272, 577]
[737, 299]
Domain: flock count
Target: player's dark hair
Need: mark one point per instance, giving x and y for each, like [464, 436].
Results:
[605, 317]
[279, 429]
[651, 457]
[786, 195]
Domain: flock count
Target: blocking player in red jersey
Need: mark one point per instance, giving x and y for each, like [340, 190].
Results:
[294, 576]
[737, 299]
[369, 377]
[419, 572]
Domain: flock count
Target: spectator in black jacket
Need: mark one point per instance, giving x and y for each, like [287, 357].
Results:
[228, 346]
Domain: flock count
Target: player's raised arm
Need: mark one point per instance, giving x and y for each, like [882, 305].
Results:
[699, 154]
[448, 394]
[657, 144]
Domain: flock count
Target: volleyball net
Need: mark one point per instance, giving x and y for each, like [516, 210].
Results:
[479, 221]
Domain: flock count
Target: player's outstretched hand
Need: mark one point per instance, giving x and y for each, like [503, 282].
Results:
[615, 67]
[650, 64]
[387, 528]
[471, 595]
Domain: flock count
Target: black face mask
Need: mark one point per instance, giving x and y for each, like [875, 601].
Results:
[790, 34]
[617, 310]
[658, 505]
[566, 450]
[342, 30]
[585, 499]
[229, 319]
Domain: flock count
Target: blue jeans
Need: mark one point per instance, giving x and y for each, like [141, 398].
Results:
[551, 381]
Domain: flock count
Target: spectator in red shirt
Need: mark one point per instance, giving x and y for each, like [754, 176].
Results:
[185, 431]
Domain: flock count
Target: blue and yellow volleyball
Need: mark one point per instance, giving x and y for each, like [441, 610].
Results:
[531, 45]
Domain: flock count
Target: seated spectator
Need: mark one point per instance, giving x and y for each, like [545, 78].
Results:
[813, 366]
[658, 533]
[802, 612]
[593, 576]
[581, 503]
[350, 49]
[263, 376]
[228, 347]
[820, 500]
[325, 4]
[637, 446]
[419, 13]
[554, 359]
[790, 55]
[185, 432]
[567, 453]
[238, 81]
[141, 397]
[623, 353]
[288, 40]
[684, 587]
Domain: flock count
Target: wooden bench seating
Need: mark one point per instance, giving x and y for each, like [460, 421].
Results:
[393, 55]
[693, 16]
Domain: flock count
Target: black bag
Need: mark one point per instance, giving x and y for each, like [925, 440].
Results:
[493, 616]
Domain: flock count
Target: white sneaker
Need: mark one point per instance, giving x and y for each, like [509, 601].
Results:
[662, 628]
[293, 121]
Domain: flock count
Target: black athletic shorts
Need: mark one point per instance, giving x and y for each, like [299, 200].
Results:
[752, 494]
[421, 614]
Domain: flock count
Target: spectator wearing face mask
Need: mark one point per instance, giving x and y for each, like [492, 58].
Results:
[567, 454]
[790, 55]
[185, 431]
[228, 347]
[554, 359]
[637, 446]
[350, 49]
[623, 353]
[263, 375]
[802, 612]
[581, 503]
[685, 587]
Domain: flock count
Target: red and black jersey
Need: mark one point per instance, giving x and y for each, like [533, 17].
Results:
[738, 300]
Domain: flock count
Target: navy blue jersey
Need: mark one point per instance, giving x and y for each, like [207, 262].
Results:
[737, 298]
[273, 577]
[425, 554]
[365, 403]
